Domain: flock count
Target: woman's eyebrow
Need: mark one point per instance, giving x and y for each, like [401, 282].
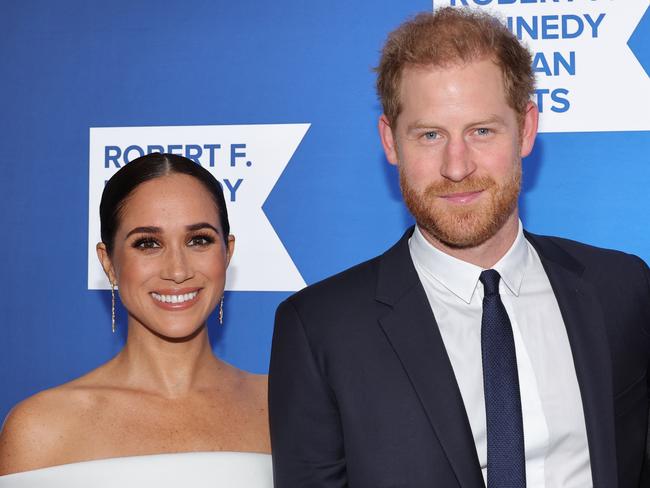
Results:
[158, 230]
[144, 230]
[201, 225]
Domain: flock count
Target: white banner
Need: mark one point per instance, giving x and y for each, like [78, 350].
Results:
[588, 79]
[246, 159]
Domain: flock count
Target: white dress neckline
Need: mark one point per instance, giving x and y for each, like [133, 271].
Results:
[188, 469]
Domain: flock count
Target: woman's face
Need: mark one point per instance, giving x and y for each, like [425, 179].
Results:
[169, 258]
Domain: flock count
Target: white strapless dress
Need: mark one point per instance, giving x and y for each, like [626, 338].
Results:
[184, 470]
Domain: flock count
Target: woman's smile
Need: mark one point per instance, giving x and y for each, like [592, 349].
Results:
[176, 299]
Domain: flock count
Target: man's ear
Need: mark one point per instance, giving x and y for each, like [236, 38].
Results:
[105, 261]
[387, 137]
[529, 129]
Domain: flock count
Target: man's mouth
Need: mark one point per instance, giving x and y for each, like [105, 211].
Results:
[462, 197]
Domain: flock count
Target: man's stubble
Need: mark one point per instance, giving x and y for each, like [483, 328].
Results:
[463, 226]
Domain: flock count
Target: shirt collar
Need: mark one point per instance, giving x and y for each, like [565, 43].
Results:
[512, 266]
[461, 277]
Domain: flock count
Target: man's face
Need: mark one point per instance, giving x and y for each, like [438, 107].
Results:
[458, 147]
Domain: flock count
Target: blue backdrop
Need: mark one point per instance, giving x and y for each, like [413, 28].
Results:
[72, 65]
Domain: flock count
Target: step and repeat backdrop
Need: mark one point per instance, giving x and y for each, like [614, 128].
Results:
[277, 100]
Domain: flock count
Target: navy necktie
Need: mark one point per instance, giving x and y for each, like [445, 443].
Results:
[506, 459]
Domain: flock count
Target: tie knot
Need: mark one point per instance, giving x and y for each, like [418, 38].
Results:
[490, 279]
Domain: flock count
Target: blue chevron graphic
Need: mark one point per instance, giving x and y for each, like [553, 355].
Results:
[639, 41]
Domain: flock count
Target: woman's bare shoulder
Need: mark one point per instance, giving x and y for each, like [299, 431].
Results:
[259, 383]
[30, 431]
[247, 383]
[255, 380]
[252, 409]
[37, 429]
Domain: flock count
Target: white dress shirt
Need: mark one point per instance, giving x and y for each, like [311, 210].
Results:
[555, 437]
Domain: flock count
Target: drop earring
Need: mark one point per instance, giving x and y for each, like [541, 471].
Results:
[113, 307]
[221, 311]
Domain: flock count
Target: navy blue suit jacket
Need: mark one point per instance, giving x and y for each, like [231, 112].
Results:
[362, 392]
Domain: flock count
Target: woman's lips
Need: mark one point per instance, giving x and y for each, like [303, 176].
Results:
[175, 299]
[464, 197]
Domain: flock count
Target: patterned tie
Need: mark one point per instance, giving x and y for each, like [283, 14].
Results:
[506, 460]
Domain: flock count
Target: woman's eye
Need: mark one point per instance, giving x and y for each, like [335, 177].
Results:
[146, 243]
[201, 241]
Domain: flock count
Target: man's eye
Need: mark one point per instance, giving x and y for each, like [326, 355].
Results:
[146, 243]
[431, 135]
[483, 131]
[201, 240]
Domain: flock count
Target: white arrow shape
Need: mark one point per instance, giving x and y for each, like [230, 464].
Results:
[246, 159]
[608, 91]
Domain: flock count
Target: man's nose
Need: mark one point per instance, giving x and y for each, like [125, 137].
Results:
[457, 162]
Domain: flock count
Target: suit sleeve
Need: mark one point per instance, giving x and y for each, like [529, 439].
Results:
[306, 435]
[645, 475]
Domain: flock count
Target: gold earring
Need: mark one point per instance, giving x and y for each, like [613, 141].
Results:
[113, 307]
[221, 311]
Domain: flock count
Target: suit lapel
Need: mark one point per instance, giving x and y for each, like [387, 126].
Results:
[583, 319]
[413, 333]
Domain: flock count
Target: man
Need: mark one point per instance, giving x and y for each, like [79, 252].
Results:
[471, 352]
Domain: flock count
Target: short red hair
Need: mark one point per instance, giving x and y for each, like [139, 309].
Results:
[452, 36]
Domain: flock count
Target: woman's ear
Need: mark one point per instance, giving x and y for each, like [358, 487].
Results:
[230, 248]
[105, 261]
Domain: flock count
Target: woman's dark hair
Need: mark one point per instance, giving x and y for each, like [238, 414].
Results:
[149, 167]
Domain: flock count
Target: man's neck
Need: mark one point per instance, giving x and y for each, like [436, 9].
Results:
[486, 254]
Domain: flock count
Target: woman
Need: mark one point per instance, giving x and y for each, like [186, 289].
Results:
[166, 245]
